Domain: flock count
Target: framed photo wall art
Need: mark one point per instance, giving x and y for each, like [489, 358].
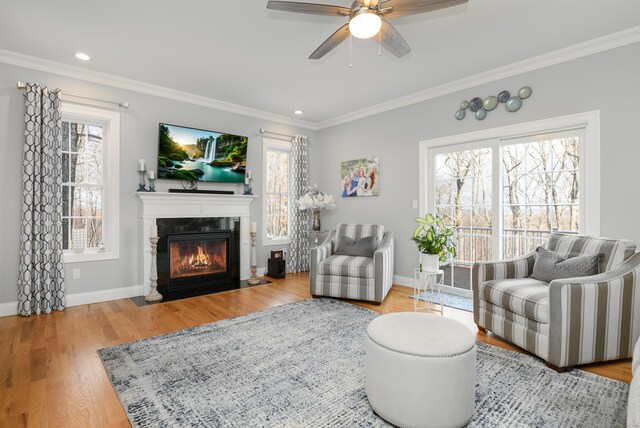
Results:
[360, 177]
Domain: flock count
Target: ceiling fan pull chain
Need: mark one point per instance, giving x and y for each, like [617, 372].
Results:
[350, 52]
[380, 43]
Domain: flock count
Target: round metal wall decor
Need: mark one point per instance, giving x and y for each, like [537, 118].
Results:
[480, 107]
[504, 96]
[513, 104]
[524, 92]
[490, 103]
[475, 104]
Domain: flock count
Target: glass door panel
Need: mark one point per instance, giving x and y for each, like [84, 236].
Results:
[463, 199]
[540, 180]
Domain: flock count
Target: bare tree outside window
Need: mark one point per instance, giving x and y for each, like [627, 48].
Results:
[82, 162]
[463, 200]
[277, 193]
[540, 188]
[541, 183]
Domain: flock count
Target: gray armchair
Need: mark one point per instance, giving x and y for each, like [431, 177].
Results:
[568, 321]
[353, 277]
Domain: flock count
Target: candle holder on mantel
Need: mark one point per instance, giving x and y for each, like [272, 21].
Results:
[247, 186]
[254, 280]
[152, 185]
[142, 184]
[153, 295]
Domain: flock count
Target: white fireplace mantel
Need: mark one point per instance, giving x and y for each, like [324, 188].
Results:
[185, 205]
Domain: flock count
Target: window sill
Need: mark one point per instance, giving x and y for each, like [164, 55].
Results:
[273, 242]
[89, 256]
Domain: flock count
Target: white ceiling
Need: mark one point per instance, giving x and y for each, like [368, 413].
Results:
[239, 52]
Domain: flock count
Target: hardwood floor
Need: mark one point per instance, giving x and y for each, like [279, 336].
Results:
[51, 375]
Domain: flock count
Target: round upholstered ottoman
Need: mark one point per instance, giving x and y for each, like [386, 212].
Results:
[421, 370]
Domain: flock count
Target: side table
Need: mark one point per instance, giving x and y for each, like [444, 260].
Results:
[424, 281]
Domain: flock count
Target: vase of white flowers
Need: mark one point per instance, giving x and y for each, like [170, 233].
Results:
[316, 226]
[316, 201]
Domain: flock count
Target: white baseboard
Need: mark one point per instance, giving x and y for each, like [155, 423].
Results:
[403, 280]
[9, 308]
[103, 295]
[76, 299]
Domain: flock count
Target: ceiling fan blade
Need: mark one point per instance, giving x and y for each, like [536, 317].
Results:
[334, 40]
[413, 7]
[311, 8]
[392, 41]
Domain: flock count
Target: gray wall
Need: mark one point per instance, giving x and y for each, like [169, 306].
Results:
[139, 134]
[607, 82]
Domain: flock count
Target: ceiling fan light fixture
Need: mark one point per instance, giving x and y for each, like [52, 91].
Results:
[365, 24]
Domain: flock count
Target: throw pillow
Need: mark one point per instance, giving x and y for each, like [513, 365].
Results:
[363, 247]
[550, 265]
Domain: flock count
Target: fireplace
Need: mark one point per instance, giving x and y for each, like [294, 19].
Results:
[197, 255]
[196, 258]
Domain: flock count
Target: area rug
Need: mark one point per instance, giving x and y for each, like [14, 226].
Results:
[450, 300]
[303, 364]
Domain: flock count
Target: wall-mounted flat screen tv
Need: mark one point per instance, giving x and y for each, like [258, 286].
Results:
[199, 155]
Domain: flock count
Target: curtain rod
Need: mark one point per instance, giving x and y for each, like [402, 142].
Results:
[262, 131]
[122, 105]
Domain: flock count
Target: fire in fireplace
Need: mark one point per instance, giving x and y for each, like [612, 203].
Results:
[198, 260]
[193, 258]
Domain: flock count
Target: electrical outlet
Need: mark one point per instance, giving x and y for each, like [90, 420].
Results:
[415, 204]
[76, 274]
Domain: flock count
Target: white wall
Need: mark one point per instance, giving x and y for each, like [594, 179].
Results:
[139, 135]
[608, 82]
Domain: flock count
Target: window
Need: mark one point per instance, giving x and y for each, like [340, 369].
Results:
[90, 140]
[277, 204]
[504, 194]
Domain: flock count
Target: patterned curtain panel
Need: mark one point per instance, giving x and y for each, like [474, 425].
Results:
[299, 227]
[41, 280]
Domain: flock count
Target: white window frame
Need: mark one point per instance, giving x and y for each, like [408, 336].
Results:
[588, 123]
[271, 144]
[110, 122]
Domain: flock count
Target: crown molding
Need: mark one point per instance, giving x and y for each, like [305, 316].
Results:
[594, 46]
[54, 67]
[590, 47]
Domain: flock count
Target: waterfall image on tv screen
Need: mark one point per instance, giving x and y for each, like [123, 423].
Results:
[199, 155]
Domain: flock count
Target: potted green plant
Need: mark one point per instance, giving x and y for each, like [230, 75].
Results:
[434, 241]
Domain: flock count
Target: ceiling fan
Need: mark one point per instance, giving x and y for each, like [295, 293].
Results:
[366, 19]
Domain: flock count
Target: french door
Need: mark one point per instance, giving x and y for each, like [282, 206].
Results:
[504, 196]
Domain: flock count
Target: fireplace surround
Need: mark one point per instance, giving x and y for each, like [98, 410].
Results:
[158, 207]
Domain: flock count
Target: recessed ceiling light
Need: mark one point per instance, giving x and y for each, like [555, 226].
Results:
[298, 112]
[83, 56]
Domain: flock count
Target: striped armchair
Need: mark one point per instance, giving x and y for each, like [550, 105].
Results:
[569, 321]
[352, 277]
